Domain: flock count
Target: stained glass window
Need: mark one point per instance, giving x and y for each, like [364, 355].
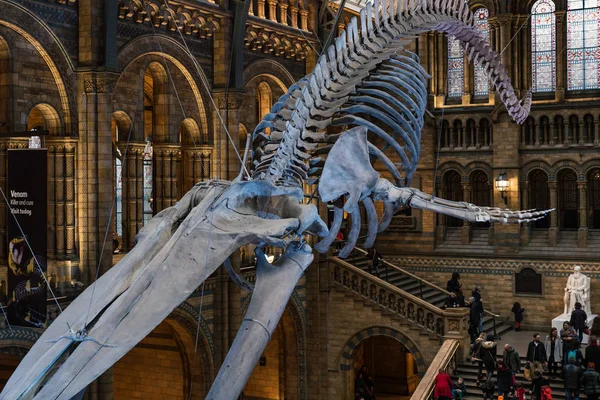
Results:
[118, 198]
[583, 21]
[147, 188]
[482, 85]
[543, 46]
[455, 68]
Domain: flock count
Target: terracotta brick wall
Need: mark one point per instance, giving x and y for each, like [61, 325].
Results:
[153, 370]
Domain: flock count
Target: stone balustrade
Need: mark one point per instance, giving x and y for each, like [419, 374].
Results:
[446, 359]
[450, 323]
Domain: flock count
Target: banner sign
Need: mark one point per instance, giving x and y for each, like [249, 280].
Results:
[27, 200]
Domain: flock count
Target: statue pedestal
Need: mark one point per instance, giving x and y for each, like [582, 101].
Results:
[558, 323]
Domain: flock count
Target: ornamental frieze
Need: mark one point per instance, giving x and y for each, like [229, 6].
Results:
[276, 43]
[191, 20]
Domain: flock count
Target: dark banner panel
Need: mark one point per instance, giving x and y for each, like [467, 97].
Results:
[27, 198]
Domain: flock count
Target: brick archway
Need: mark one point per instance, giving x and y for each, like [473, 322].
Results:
[346, 364]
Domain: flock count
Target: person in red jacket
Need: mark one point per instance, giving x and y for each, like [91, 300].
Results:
[443, 386]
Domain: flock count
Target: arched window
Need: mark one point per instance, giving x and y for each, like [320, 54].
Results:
[528, 128]
[471, 133]
[453, 191]
[480, 78]
[582, 44]
[480, 193]
[456, 77]
[457, 133]
[445, 134]
[588, 128]
[485, 133]
[543, 46]
[539, 196]
[573, 131]
[593, 187]
[568, 199]
[544, 130]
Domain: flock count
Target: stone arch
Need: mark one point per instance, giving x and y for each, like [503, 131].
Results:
[190, 132]
[560, 165]
[295, 315]
[273, 69]
[156, 88]
[481, 166]
[45, 116]
[168, 49]
[454, 166]
[201, 369]
[122, 120]
[588, 166]
[537, 164]
[14, 344]
[346, 356]
[49, 47]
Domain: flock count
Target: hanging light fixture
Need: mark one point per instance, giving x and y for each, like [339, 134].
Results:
[502, 184]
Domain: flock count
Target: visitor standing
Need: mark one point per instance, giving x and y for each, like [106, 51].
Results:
[536, 354]
[554, 350]
[572, 374]
[475, 312]
[518, 311]
[374, 260]
[488, 356]
[443, 386]
[511, 359]
[590, 381]
[569, 340]
[454, 286]
[476, 354]
[361, 388]
[592, 352]
[506, 380]
[577, 355]
[595, 329]
[578, 318]
[367, 379]
[536, 385]
[476, 294]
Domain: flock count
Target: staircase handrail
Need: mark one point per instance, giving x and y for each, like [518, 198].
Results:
[444, 359]
[409, 307]
[433, 285]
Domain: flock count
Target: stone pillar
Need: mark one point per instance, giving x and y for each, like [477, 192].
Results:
[273, 10]
[553, 231]
[304, 20]
[467, 227]
[227, 146]
[133, 196]
[283, 15]
[166, 186]
[294, 16]
[94, 175]
[261, 8]
[583, 203]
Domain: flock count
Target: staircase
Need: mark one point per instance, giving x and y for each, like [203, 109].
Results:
[479, 242]
[420, 288]
[468, 371]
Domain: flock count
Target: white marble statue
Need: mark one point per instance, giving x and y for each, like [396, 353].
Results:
[577, 290]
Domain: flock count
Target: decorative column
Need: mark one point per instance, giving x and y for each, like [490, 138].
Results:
[553, 231]
[467, 227]
[294, 16]
[261, 8]
[304, 20]
[283, 13]
[273, 10]
[583, 202]
[441, 219]
[166, 187]
[251, 8]
[133, 195]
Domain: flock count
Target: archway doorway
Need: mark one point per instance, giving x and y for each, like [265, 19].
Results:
[390, 365]
[277, 375]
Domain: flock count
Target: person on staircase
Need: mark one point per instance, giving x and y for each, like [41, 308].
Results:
[573, 375]
[443, 386]
[454, 286]
[476, 355]
[476, 293]
[578, 318]
[577, 355]
[537, 383]
[506, 380]
[570, 340]
[374, 260]
[592, 353]
[488, 356]
[590, 381]
[511, 359]
[536, 354]
[554, 351]
[475, 311]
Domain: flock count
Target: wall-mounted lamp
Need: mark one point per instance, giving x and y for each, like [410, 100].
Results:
[502, 186]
